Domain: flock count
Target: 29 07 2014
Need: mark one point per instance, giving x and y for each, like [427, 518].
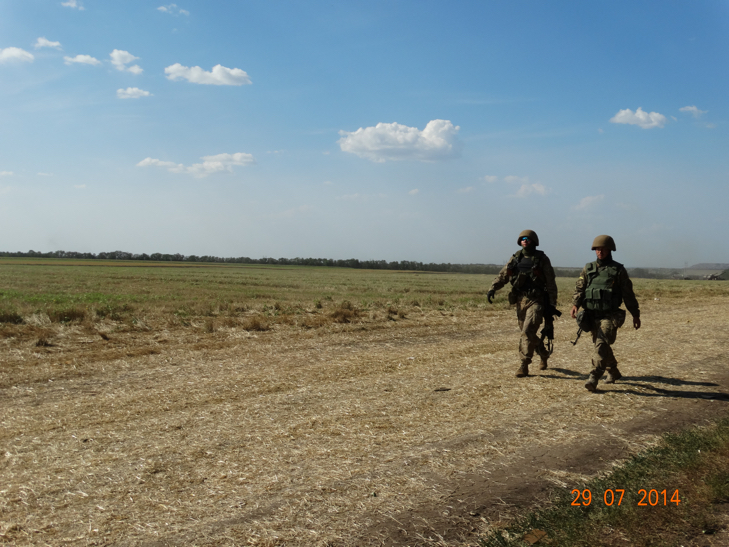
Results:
[614, 496]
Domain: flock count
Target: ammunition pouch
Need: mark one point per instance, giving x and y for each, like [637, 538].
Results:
[619, 318]
[513, 297]
[584, 320]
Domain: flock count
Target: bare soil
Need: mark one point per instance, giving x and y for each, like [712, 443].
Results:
[406, 432]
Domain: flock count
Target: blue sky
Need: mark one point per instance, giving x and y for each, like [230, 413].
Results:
[395, 130]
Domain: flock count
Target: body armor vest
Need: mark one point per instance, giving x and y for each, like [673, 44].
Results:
[602, 292]
[527, 275]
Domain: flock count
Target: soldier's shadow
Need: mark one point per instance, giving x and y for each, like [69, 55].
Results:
[627, 384]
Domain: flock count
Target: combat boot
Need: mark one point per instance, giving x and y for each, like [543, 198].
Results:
[613, 376]
[543, 365]
[523, 370]
[591, 384]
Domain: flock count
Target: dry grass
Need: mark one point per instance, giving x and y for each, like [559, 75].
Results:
[160, 425]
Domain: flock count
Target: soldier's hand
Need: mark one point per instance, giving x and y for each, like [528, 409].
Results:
[490, 296]
[636, 322]
[573, 312]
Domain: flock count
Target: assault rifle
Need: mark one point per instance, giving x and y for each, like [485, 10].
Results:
[548, 330]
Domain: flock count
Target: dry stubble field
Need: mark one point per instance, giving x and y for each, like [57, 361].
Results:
[231, 405]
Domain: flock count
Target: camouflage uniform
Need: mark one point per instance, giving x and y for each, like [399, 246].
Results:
[528, 292]
[604, 323]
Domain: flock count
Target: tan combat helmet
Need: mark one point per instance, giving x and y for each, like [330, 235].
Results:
[604, 241]
[531, 234]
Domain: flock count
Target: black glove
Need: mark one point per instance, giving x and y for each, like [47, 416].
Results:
[490, 296]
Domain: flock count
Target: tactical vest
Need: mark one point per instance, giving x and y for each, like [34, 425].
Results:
[526, 273]
[602, 292]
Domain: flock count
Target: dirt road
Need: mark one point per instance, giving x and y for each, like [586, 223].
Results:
[411, 432]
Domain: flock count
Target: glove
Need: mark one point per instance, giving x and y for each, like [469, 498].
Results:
[490, 296]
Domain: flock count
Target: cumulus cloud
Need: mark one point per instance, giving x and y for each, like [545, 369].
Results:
[6, 173]
[82, 59]
[45, 42]
[526, 188]
[393, 141]
[220, 75]
[529, 189]
[73, 4]
[132, 93]
[695, 112]
[15, 54]
[120, 59]
[588, 201]
[490, 179]
[645, 120]
[209, 165]
[173, 10]
[414, 192]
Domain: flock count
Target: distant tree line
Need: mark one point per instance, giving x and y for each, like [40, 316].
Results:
[408, 265]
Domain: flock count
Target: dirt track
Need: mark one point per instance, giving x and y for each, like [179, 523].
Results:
[412, 433]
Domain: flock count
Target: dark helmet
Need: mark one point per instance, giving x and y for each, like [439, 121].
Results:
[531, 234]
[604, 241]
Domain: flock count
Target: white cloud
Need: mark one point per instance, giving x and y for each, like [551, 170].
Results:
[220, 75]
[120, 59]
[132, 93]
[695, 112]
[209, 165]
[82, 59]
[393, 141]
[73, 4]
[414, 192]
[588, 201]
[528, 189]
[15, 54]
[646, 120]
[6, 173]
[490, 179]
[173, 10]
[466, 190]
[45, 174]
[45, 42]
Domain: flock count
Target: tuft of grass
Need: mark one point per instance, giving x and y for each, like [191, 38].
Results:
[67, 315]
[10, 316]
[691, 467]
[255, 323]
[345, 313]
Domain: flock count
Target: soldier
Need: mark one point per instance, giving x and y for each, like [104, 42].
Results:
[603, 285]
[532, 286]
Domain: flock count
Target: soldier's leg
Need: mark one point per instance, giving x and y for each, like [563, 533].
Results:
[529, 341]
[611, 363]
[603, 335]
[521, 312]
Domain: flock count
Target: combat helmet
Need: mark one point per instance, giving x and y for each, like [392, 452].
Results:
[531, 234]
[604, 241]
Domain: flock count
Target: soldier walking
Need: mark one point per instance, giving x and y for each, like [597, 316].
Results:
[604, 285]
[533, 285]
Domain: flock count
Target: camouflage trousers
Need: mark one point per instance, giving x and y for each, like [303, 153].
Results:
[604, 333]
[530, 315]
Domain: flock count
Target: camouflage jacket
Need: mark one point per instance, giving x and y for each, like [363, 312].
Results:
[545, 274]
[623, 284]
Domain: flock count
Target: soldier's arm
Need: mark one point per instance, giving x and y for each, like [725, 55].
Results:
[503, 277]
[578, 297]
[626, 289]
[550, 280]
